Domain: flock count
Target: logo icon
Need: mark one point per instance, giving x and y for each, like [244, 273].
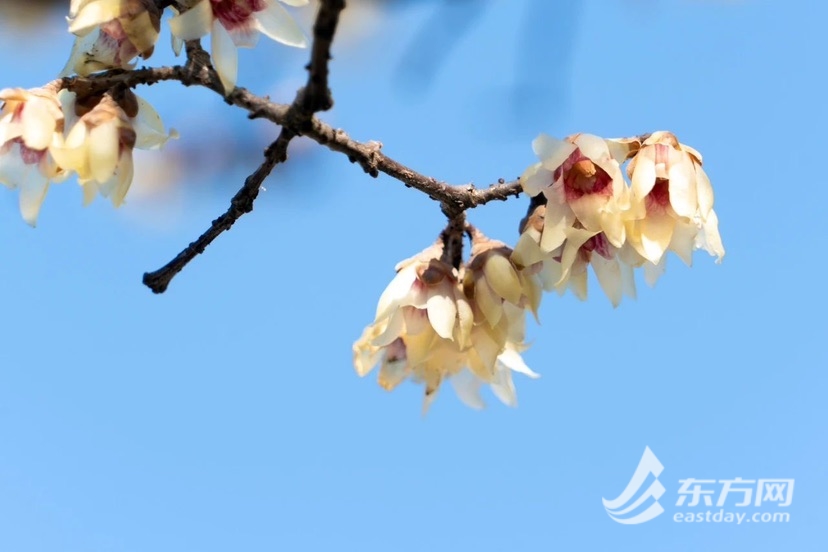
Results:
[631, 499]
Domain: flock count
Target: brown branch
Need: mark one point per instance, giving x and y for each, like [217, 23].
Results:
[241, 204]
[368, 155]
[314, 97]
[296, 119]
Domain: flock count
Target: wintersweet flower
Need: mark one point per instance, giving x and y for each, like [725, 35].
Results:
[582, 181]
[672, 201]
[234, 24]
[565, 267]
[430, 360]
[467, 385]
[499, 293]
[111, 33]
[492, 280]
[425, 292]
[31, 125]
[99, 145]
[421, 356]
[424, 330]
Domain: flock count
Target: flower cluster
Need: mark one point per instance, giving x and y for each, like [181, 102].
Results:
[435, 322]
[111, 34]
[615, 205]
[588, 215]
[47, 135]
[466, 324]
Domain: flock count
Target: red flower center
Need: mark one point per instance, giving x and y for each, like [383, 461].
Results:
[598, 244]
[581, 176]
[236, 13]
[658, 199]
[28, 155]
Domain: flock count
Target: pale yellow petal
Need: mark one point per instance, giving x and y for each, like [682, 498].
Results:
[490, 305]
[559, 218]
[442, 313]
[656, 233]
[683, 195]
[276, 23]
[705, 192]
[467, 388]
[104, 149]
[551, 151]
[608, 272]
[643, 173]
[193, 23]
[503, 278]
[225, 57]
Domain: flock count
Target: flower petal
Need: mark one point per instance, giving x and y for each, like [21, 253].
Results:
[33, 187]
[705, 192]
[467, 387]
[501, 275]
[683, 195]
[643, 175]
[656, 233]
[193, 23]
[609, 276]
[551, 151]
[225, 57]
[103, 150]
[394, 293]
[276, 23]
[442, 313]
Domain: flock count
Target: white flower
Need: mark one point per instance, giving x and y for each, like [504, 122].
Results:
[425, 291]
[236, 24]
[425, 330]
[672, 202]
[565, 267]
[99, 143]
[582, 181]
[111, 33]
[31, 125]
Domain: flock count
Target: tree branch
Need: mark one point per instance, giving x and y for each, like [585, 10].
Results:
[316, 96]
[295, 119]
[241, 204]
[368, 155]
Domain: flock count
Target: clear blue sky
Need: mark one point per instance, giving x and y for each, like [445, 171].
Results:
[226, 415]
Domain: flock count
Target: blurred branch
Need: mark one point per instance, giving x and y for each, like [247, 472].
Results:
[296, 119]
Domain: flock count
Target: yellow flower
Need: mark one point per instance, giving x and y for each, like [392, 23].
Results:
[424, 292]
[672, 201]
[565, 267]
[582, 181]
[499, 292]
[31, 125]
[235, 24]
[425, 330]
[492, 279]
[111, 33]
[99, 145]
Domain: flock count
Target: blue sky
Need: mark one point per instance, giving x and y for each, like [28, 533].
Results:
[226, 415]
